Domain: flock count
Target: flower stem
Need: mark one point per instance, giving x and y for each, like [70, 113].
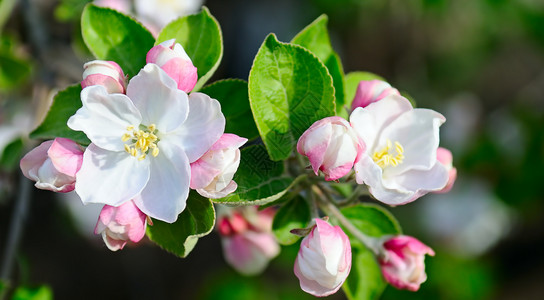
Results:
[20, 212]
[326, 204]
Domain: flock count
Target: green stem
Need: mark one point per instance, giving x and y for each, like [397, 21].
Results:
[360, 190]
[326, 204]
[18, 219]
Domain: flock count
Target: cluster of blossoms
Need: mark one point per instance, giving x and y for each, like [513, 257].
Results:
[153, 139]
[393, 149]
[151, 143]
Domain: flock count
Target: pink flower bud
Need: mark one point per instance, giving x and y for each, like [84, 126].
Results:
[369, 91]
[121, 224]
[171, 57]
[332, 147]
[324, 260]
[402, 262]
[105, 73]
[53, 165]
[211, 174]
[445, 157]
[247, 239]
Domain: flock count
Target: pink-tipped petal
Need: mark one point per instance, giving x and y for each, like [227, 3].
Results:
[66, 156]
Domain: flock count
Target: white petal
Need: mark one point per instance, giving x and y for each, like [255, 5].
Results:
[418, 132]
[166, 192]
[203, 127]
[423, 181]
[110, 177]
[368, 122]
[388, 192]
[157, 97]
[104, 117]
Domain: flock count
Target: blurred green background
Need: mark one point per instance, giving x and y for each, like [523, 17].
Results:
[478, 62]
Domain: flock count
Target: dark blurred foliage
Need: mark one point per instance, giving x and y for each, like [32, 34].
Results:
[479, 62]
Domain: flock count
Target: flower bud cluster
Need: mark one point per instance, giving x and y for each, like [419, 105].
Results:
[392, 147]
[247, 239]
[183, 134]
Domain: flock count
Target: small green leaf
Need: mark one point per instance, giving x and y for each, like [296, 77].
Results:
[289, 89]
[294, 214]
[201, 37]
[260, 180]
[40, 293]
[9, 158]
[65, 104]
[234, 99]
[180, 237]
[365, 280]
[352, 81]
[315, 38]
[111, 35]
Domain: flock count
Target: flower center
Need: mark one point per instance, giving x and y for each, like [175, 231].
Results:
[142, 141]
[389, 156]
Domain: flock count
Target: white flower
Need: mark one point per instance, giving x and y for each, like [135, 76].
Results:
[143, 143]
[162, 12]
[399, 164]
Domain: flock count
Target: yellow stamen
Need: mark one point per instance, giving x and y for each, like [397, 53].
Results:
[142, 140]
[384, 157]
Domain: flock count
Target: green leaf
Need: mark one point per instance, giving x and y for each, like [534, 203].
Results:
[315, 38]
[201, 37]
[13, 71]
[289, 89]
[260, 180]
[65, 104]
[111, 35]
[234, 99]
[294, 214]
[180, 237]
[365, 280]
[40, 293]
[352, 81]
[9, 158]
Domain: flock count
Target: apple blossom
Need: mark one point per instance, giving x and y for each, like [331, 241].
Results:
[247, 239]
[399, 164]
[117, 225]
[332, 146]
[53, 165]
[143, 143]
[445, 157]
[171, 57]
[106, 73]
[369, 91]
[402, 262]
[211, 175]
[324, 259]
[158, 13]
